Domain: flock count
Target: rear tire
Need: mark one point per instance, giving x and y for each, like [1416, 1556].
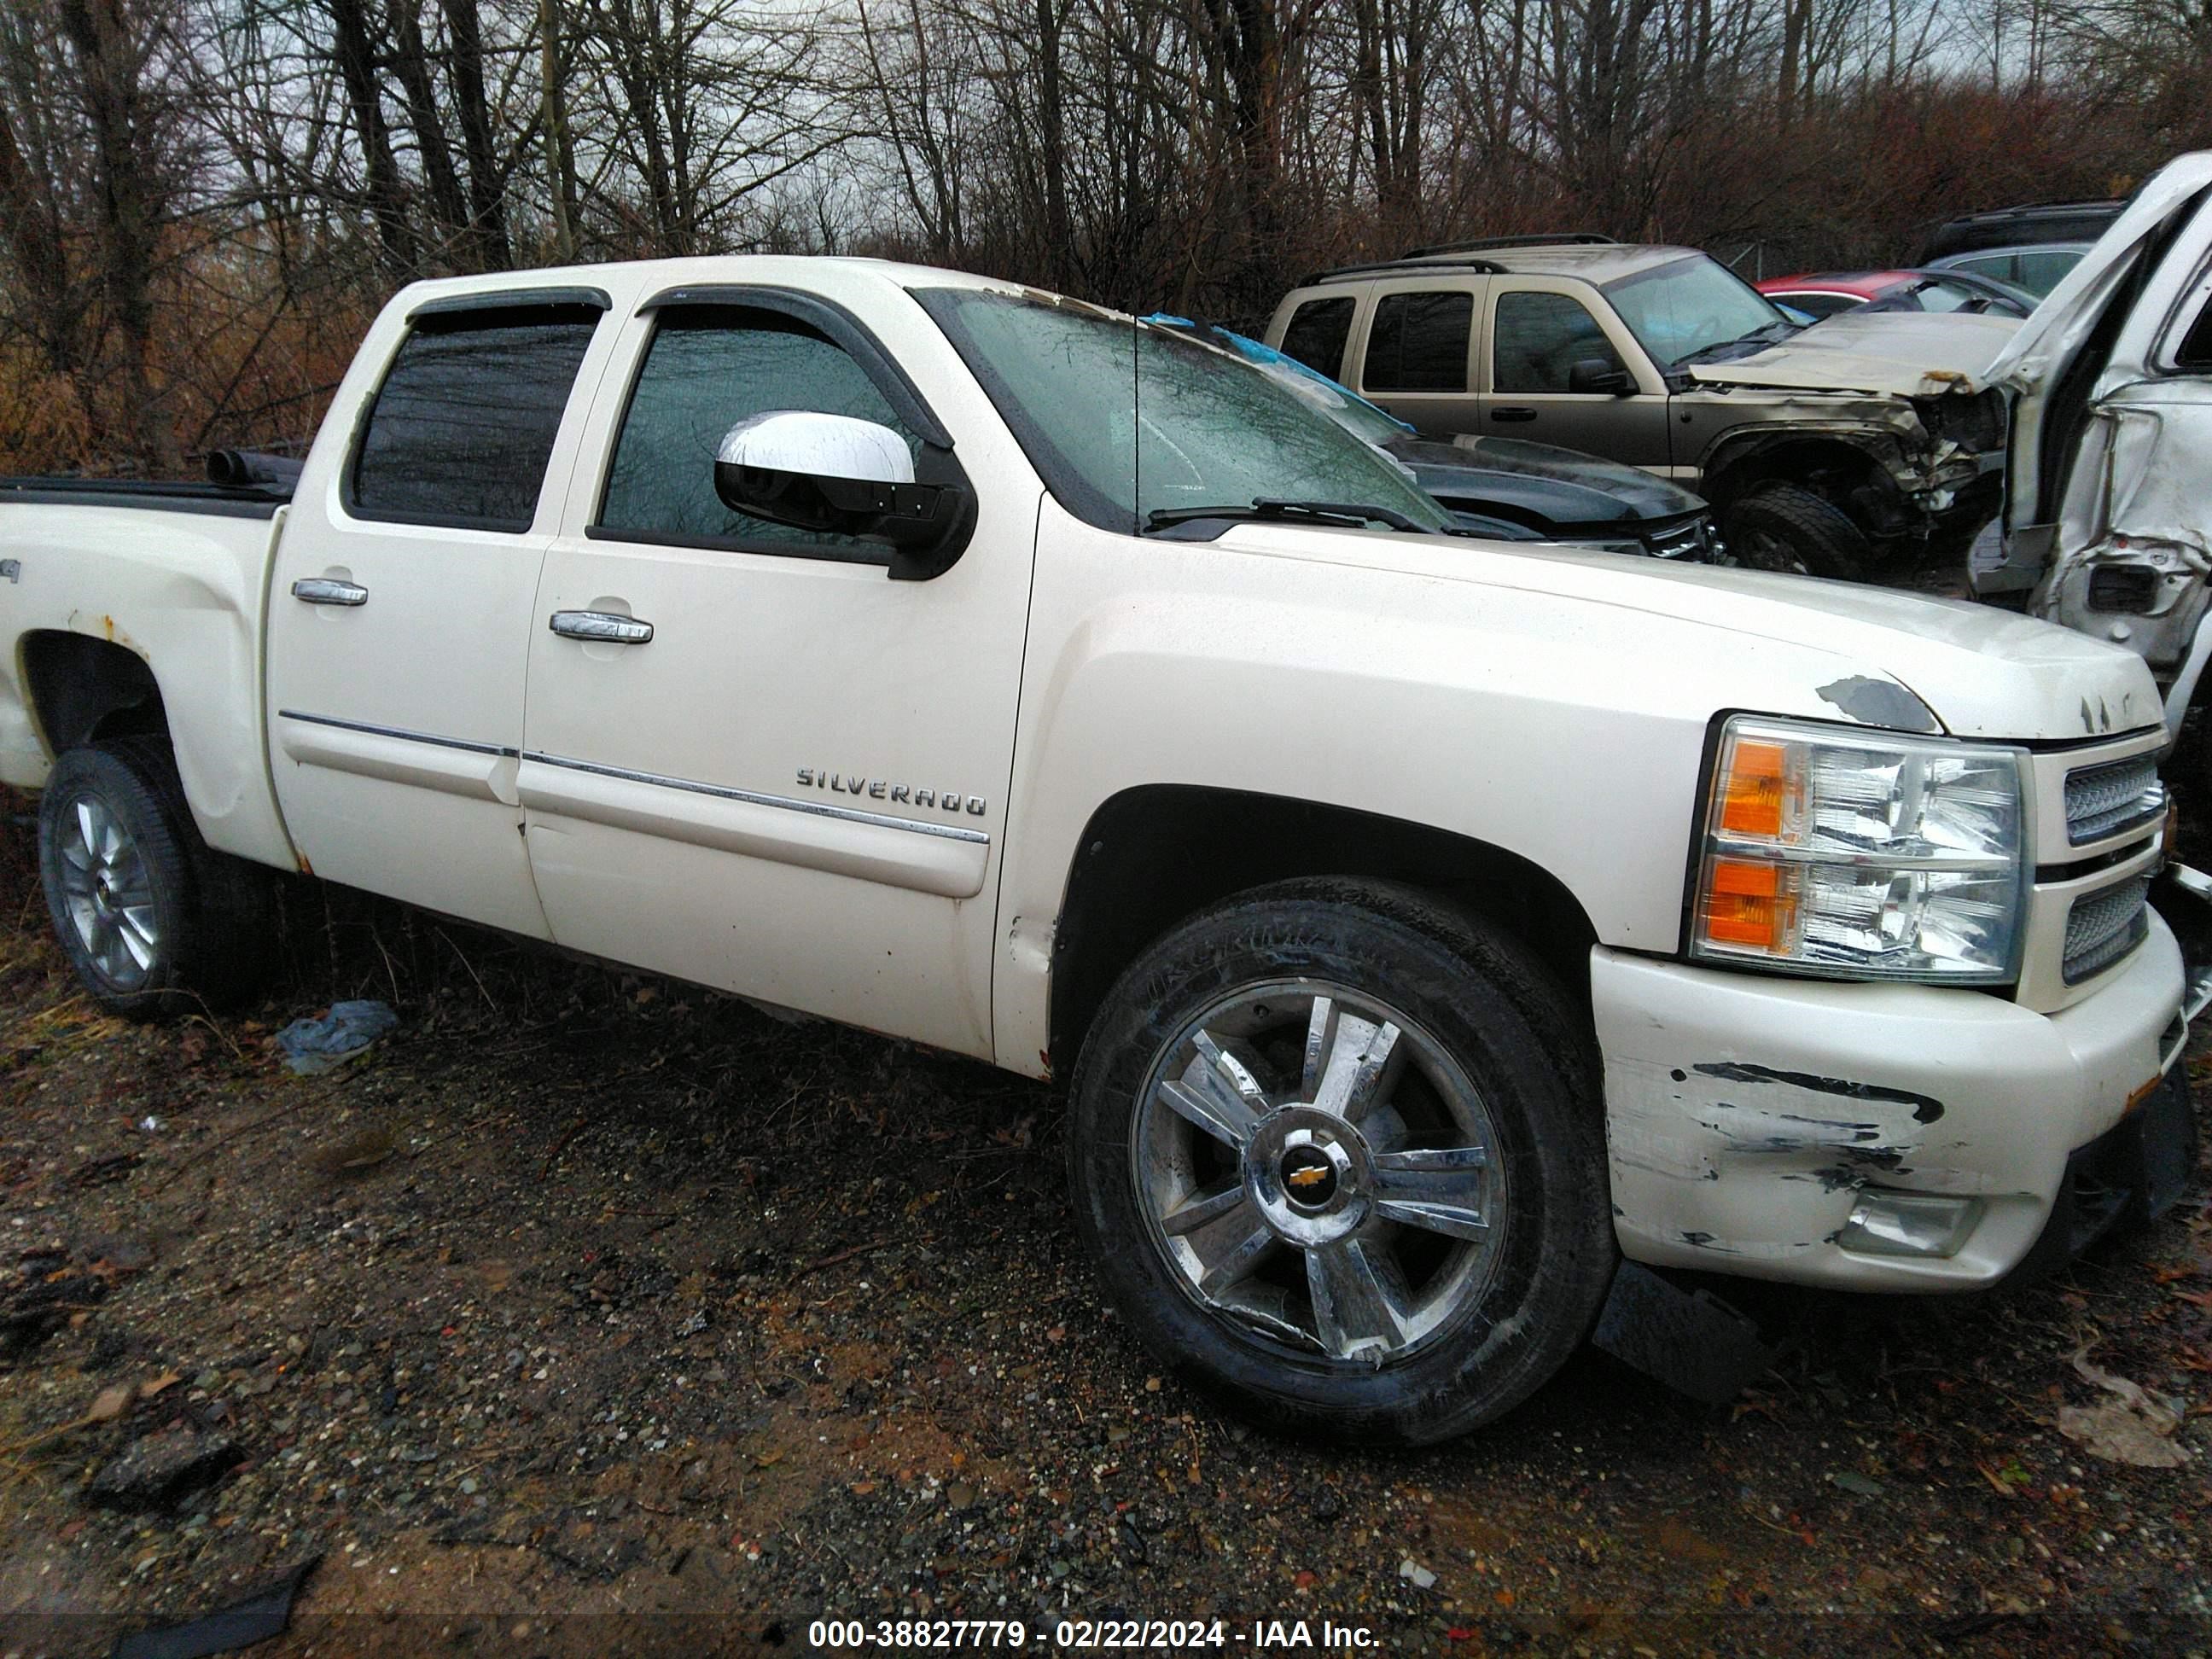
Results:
[154, 921]
[1783, 527]
[1413, 1231]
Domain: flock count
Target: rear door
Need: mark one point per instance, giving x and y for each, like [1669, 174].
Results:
[1417, 356]
[403, 593]
[1538, 330]
[789, 781]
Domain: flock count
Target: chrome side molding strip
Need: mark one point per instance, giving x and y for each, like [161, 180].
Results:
[753, 798]
[401, 732]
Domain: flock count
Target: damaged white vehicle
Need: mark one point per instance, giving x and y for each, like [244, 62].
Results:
[2107, 523]
[1423, 926]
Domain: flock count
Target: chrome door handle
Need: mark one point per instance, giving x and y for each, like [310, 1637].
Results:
[329, 590]
[600, 625]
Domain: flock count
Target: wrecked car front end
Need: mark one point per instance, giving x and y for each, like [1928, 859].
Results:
[1907, 1132]
[1892, 417]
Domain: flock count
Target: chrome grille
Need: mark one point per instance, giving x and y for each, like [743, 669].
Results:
[2103, 927]
[1689, 540]
[2103, 800]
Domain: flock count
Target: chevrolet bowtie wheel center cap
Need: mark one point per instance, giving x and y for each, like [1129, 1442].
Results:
[1310, 1178]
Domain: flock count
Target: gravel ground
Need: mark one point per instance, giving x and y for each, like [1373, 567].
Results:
[589, 1314]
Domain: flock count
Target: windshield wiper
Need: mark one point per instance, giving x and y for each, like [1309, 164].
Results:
[1764, 335]
[1349, 515]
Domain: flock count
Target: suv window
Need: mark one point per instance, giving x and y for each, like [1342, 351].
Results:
[708, 368]
[464, 424]
[1316, 334]
[1417, 343]
[1539, 336]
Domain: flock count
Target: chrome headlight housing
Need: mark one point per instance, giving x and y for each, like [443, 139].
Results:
[1861, 855]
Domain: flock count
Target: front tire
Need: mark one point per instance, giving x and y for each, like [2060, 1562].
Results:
[1338, 1155]
[1782, 526]
[154, 921]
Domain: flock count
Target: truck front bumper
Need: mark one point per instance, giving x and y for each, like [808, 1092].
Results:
[1749, 1118]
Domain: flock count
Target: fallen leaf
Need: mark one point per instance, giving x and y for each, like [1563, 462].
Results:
[153, 1385]
[109, 1404]
[1996, 1480]
[1858, 1483]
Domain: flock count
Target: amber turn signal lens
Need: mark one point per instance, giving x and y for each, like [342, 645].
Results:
[1748, 904]
[1758, 780]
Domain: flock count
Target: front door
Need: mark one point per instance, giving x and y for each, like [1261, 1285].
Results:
[399, 615]
[1537, 335]
[776, 771]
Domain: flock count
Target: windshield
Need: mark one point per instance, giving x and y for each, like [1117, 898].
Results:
[1341, 404]
[1124, 421]
[1689, 305]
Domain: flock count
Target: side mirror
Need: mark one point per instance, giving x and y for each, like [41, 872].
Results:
[847, 476]
[1599, 374]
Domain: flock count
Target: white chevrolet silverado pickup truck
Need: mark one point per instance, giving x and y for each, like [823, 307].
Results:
[1423, 926]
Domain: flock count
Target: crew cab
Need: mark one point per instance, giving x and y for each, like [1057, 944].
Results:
[1856, 449]
[1422, 926]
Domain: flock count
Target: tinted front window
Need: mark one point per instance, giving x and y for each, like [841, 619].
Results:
[464, 424]
[708, 368]
[1417, 343]
[1317, 335]
[1539, 336]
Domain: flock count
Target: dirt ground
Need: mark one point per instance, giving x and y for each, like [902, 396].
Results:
[589, 1314]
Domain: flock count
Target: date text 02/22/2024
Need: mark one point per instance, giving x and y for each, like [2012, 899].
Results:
[1092, 1635]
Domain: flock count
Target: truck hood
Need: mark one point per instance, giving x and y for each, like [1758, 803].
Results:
[1904, 354]
[1869, 655]
[2064, 327]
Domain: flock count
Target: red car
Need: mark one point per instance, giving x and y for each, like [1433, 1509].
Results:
[1823, 293]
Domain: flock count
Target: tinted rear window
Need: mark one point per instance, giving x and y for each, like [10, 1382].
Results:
[464, 424]
[1317, 335]
[1417, 343]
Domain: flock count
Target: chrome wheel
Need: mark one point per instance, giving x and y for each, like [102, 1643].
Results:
[108, 894]
[1319, 1170]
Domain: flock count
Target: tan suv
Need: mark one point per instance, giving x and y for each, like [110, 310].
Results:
[1838, 450]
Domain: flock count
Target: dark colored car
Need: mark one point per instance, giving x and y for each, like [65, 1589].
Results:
[2019, 226]
[1825, 293]
[1505, 487]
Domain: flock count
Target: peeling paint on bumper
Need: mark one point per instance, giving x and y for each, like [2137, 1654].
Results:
[1745, 1114]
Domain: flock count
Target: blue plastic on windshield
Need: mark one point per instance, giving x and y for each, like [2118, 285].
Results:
[1266, 357]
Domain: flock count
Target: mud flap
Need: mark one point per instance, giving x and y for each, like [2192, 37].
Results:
[1690, 1340]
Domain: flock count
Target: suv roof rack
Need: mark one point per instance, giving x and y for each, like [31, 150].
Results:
[1583, 238]
[1480, 267]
